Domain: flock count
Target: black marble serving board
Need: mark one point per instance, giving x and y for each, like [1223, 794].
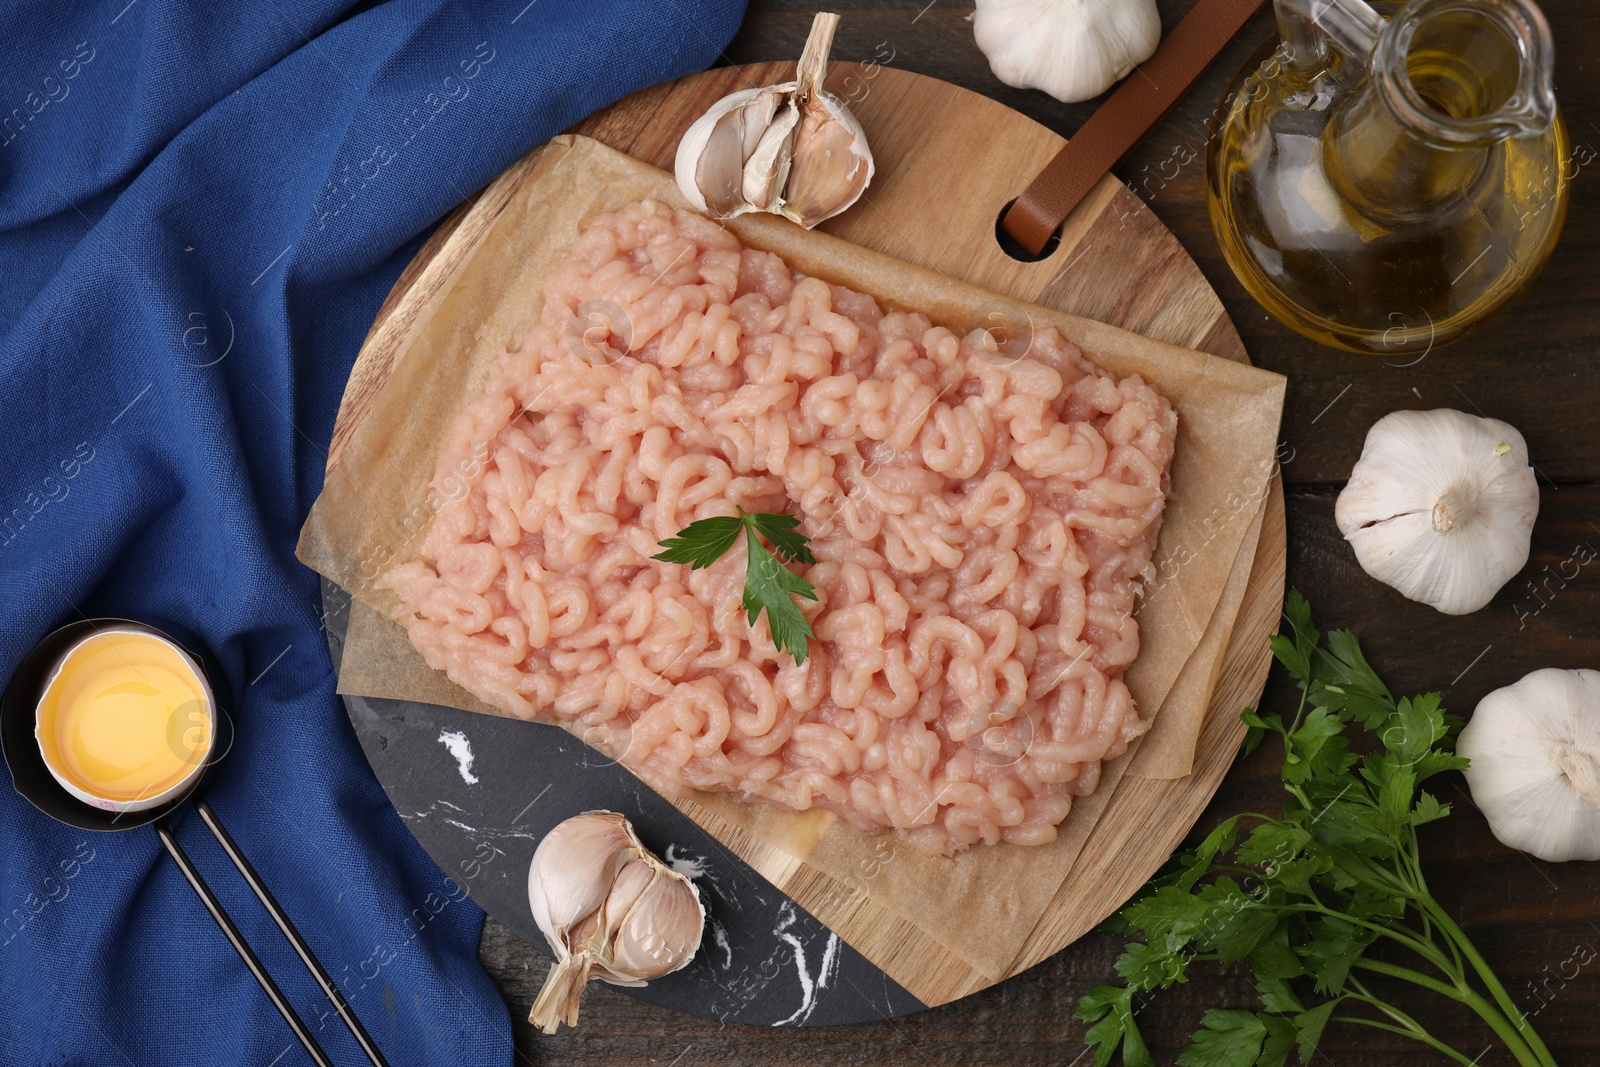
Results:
[764, 960]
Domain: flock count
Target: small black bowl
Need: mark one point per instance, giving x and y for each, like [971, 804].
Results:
[19, 709]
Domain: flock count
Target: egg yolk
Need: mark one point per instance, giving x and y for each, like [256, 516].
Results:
[125, 717]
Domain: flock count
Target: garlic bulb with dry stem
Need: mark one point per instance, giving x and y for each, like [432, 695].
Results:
[610, 910]
[1072, 49]
[1535, 773]
[1441, 506]
[792, 149]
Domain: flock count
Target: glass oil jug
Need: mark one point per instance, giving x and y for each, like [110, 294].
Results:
[1387, 186]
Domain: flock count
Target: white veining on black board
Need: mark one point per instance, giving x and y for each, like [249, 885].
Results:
[456, 743]
[690, 867]
[719, 934]
[809, 987]
[492, 833]
[488, 832]
[432, 807]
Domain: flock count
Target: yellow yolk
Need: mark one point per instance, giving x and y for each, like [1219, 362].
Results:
[126, 717]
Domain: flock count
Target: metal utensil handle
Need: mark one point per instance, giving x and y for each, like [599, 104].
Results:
[214, 906]
[307, 957]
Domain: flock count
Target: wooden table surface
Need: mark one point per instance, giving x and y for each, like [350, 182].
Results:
[1536, 368]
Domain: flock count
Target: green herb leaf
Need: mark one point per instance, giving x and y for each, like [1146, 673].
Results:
[1109, 1010]
[1277, 996]
[772, 587]
[702, 542]
[1354, 826]
[1411, 731]
[783, 531]
[768, 585]
[1169, 909]
[1435, 762]
[1317, 748]
[1244, 932]
[1260, 726]
[1394, 797]
[1295, 877]
[1309, 1025]
[1273, 844]
[1297, 648]
[1155, 965]
[1274, 958]
[1346, 682]
[1428, 810]
[1197, 863]
[1280, 1039]
[1335, 945]
[1228, 1038]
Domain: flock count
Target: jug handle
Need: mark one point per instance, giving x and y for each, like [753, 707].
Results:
[1310, 28]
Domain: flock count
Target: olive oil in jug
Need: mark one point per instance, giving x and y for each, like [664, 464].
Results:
[1386, 187]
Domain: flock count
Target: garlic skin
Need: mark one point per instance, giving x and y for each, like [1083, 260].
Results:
[610, 909]
[792, 149]
[1535, 752]
[1072, 49]
[1441, 506]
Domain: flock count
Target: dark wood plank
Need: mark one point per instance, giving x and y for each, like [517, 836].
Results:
[1536, 367]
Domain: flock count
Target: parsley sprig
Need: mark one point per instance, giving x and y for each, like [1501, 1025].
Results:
[768, 585]
[1302, 897]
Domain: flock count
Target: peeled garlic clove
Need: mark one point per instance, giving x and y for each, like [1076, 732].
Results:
[1441, 506]
[1535, 772]
[1072, 49]
[610, 909]
[792, 149]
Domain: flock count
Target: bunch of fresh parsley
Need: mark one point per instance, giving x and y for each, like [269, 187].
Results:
[768, 584]
[1302, 897]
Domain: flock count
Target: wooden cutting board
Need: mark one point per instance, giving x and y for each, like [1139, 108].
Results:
[948, 161]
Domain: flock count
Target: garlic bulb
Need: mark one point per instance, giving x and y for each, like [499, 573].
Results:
[791, 149]
[609, 909]
[1441, 506]
[1535, 752]
[1072, 49]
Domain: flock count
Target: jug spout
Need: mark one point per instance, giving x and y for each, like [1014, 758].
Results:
[1468, 73]
[1448, 81]
[1463, 72]
[1309, 29]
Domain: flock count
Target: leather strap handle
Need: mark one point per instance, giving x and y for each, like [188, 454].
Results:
[1138, 104]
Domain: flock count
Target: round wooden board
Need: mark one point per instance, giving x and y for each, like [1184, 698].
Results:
[948, 160]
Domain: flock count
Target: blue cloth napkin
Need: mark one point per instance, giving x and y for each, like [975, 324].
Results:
[201, 209]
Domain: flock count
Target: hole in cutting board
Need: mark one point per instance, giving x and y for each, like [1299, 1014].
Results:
[1009, 245]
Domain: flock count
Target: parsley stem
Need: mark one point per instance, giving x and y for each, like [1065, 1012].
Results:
[1517, 1019]
[1465, 994]
[1411, 1027]
[1420, 899]
[1421, 948]
[1305, 694]
[1393, 970]
[1233, 868]
[1417, 1034]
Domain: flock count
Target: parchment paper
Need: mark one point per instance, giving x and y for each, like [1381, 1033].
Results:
[982, 904]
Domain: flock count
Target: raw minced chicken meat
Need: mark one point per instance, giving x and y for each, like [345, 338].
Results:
[980, 523]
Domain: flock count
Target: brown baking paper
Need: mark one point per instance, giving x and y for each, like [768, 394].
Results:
[982, 904]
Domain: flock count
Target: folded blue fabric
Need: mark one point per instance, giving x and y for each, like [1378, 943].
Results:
[201, 209]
